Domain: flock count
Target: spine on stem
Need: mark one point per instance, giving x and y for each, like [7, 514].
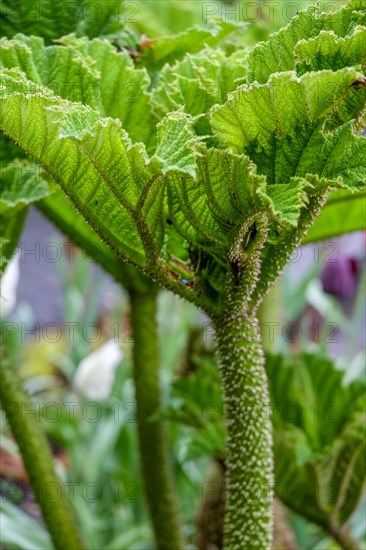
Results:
[156, 470]
[248, 522]
[38, 460]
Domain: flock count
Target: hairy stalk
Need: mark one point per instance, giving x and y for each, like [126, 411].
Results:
[159, 488]
[276, 257]
[48, 489]
[209, 524]
[249, 480]
[248, 522]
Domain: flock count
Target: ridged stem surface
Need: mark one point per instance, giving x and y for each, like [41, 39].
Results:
[156, 469]
[248, 521]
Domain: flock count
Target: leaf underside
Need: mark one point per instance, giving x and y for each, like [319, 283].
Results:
[243, 136]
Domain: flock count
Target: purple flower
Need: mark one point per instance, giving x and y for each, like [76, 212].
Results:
[340, 278]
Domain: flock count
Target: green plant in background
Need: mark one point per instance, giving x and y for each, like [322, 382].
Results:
[322, 445]
[319, 433]
[222, 162]
[194, 413]
[31, 440]
[102, 453]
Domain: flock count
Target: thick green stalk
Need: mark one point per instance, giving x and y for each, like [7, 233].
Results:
[48, 489]
[158, 482]
[276, 256]
[248, 522]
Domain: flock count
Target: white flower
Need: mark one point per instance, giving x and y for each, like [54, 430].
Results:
[95, 374]
[8, 287]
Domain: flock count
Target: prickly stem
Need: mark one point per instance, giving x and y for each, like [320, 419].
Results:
[154, 455]
[276, 257]
[248, 522]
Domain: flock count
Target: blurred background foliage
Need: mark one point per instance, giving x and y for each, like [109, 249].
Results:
[256, 19]
[318, 409]
[312, 328]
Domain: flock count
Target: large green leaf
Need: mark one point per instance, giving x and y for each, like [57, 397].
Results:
[325, 407]
[319, 438]
[280, 125]
[210, 215]
[279, 146]
[52, 19]
[115, 182]
[329, 51]
[170, 49]
[215, 218]
[281, 122]
[89, 72]
[343, 213]
[278, 53]
[315, 41]
[198, 82]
